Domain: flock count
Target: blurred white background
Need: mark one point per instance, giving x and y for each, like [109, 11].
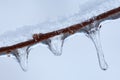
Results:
[78, 61]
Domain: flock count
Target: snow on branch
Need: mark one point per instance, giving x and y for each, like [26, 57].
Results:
[111, 14]
[19, 42]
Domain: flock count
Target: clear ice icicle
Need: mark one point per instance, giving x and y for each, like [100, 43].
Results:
[55, 44]
[22, 57]
[93, 32]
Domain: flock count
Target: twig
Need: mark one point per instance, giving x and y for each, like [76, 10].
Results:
[40, 37]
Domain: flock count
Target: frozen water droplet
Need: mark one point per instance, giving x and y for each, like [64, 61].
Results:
[22, 57]
[93, 33]
[55, 44]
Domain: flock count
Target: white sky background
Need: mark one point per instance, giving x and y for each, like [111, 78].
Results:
[79, 60]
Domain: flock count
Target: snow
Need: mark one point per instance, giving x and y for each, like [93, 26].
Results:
[86, 11]
[78, 54]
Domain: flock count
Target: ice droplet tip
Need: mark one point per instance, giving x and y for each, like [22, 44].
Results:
[25, 70]
[57, 54]
[105, 68]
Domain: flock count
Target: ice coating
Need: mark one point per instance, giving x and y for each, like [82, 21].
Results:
[55, 44]
[93, 8]
[96, 40]
[22, 57]
[93, 32]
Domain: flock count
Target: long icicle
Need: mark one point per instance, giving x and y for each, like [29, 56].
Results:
[94, 34]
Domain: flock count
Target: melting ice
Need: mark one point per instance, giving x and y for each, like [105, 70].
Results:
[92, 32]
[55, 44]
[22, 57]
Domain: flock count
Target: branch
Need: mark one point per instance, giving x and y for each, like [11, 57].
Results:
[71, 29]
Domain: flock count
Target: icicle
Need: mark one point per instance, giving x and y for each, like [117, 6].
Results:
[55, 44]
[22, 57]
[92, 32]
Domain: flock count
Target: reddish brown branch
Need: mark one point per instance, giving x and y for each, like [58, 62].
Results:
[40, 37]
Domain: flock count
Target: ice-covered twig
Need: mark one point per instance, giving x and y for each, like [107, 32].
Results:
[111, 14]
